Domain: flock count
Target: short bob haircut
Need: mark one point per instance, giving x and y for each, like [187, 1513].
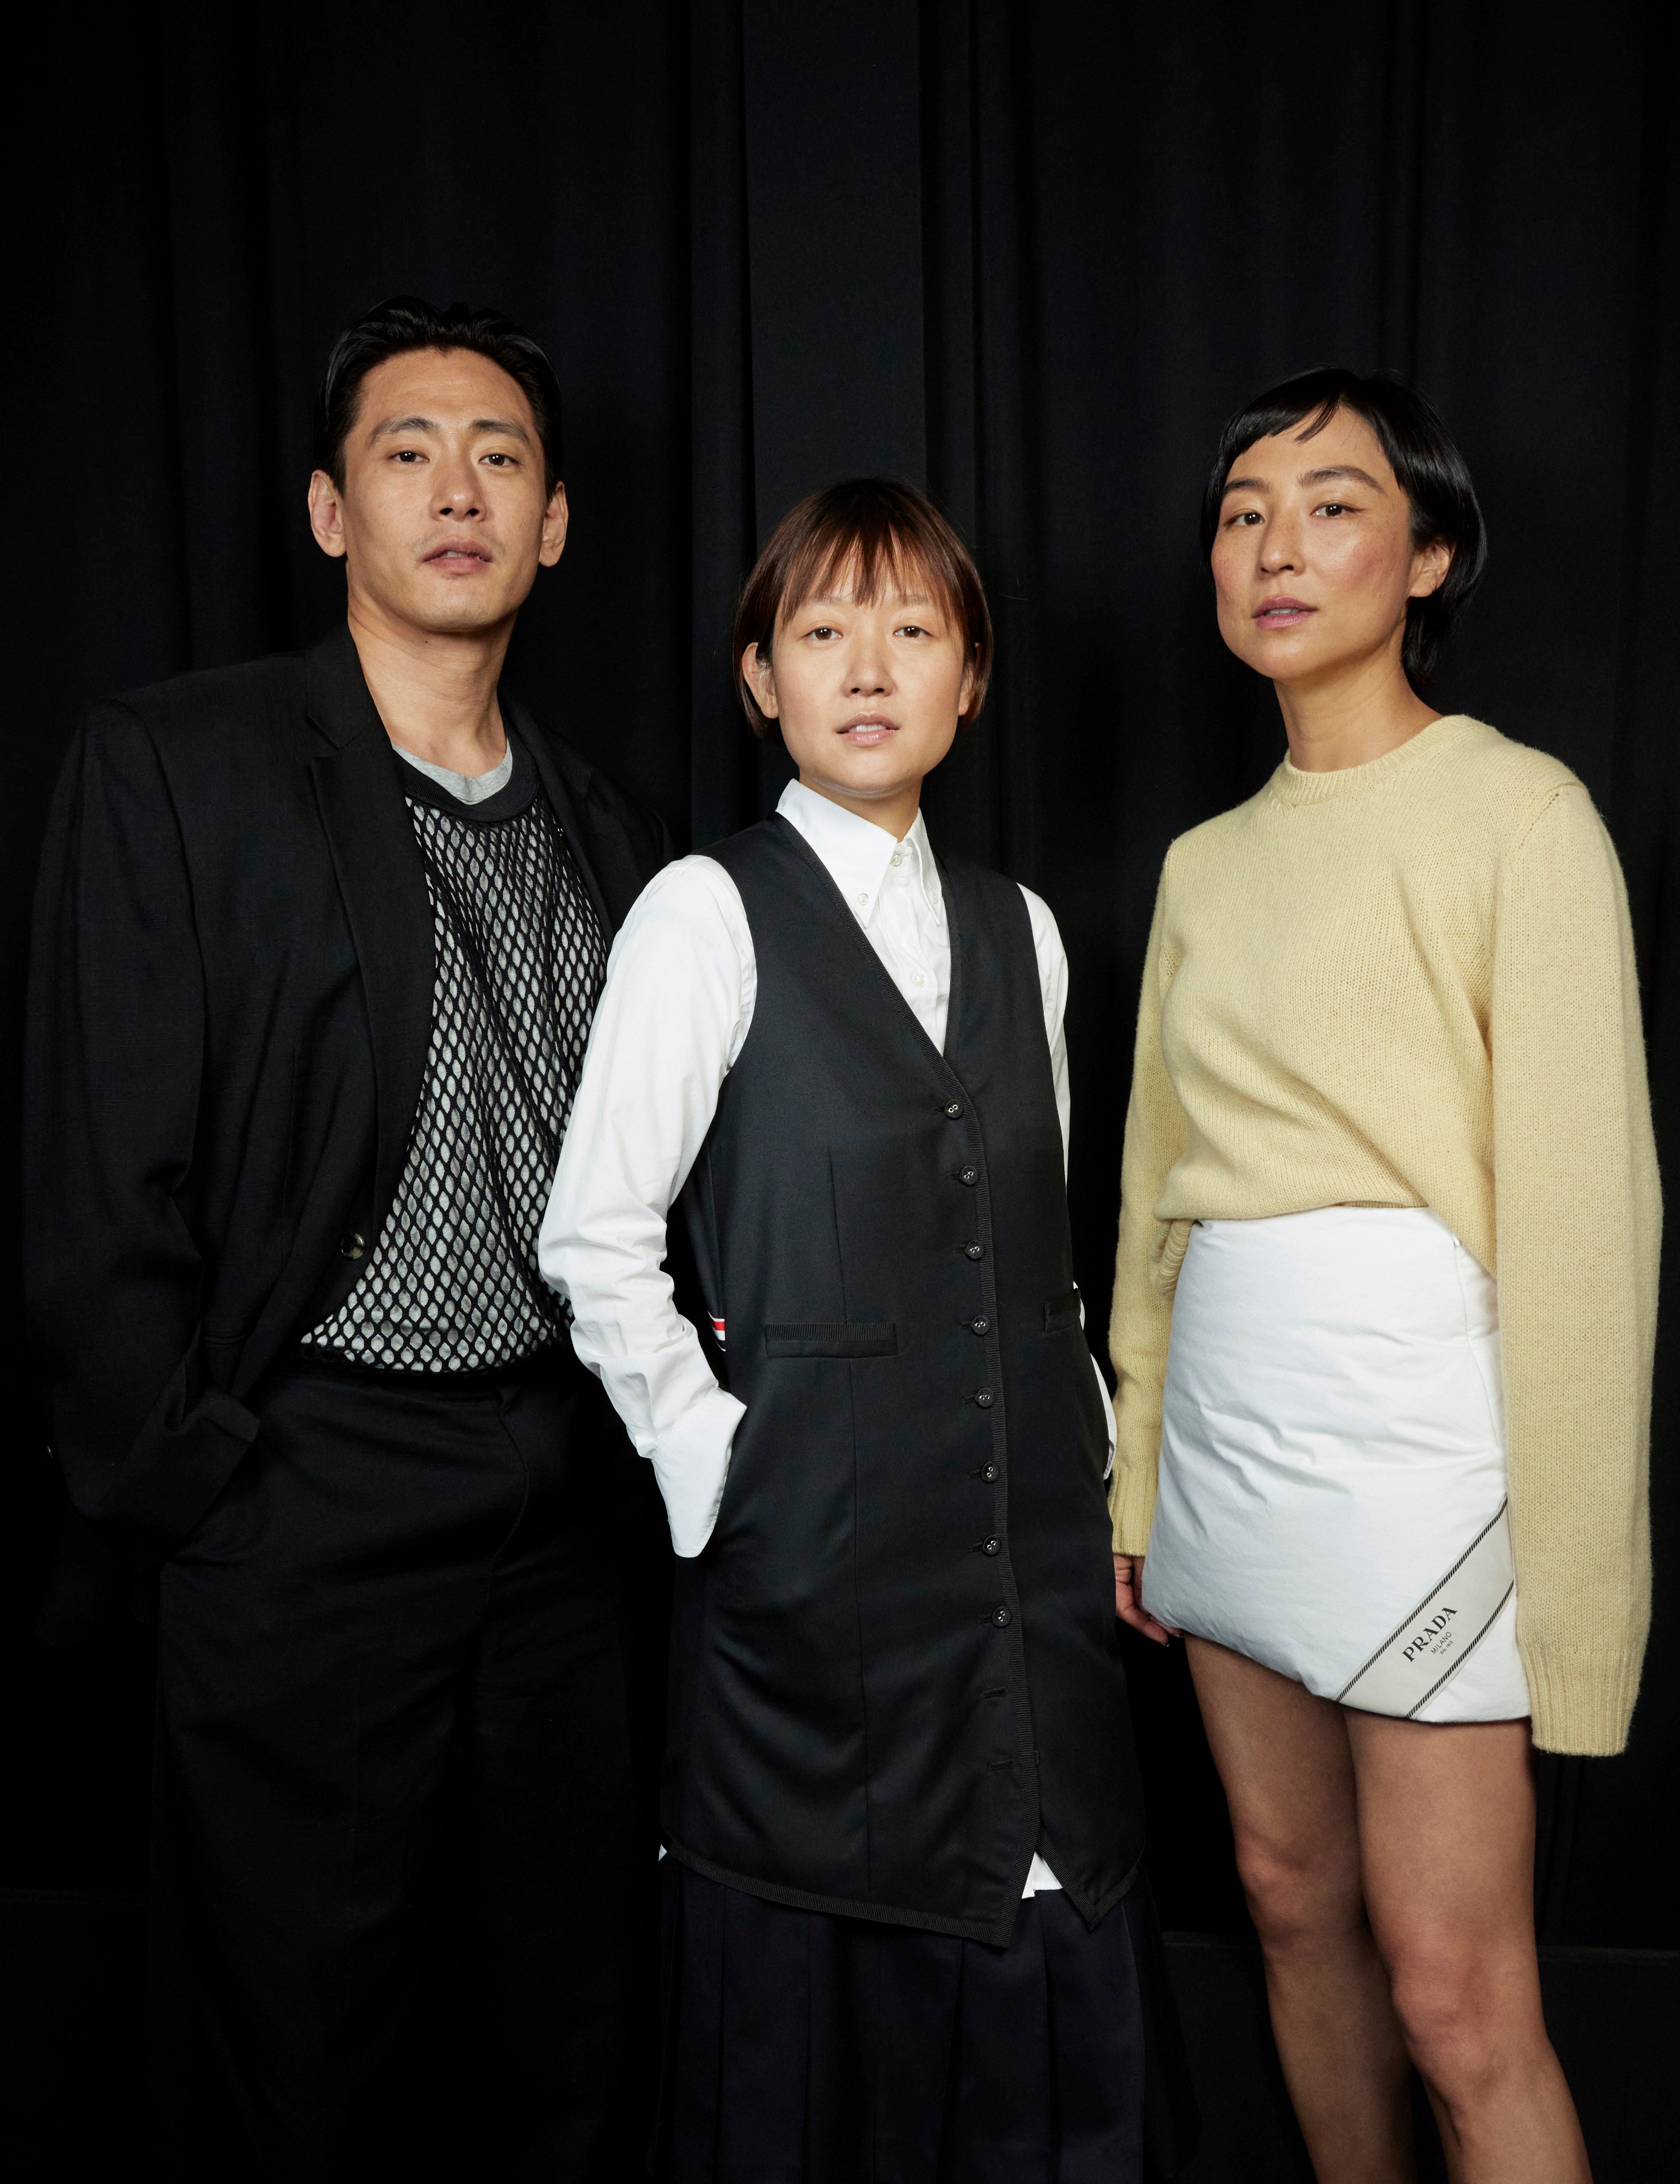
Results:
[870, 532]
[402, 323]
[1432, 475]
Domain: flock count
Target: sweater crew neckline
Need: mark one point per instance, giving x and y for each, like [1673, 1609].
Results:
[1290, 785]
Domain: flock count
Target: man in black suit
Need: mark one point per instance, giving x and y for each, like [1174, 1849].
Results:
[318, 944]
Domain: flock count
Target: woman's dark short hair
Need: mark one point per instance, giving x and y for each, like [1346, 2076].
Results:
[402, 323]
[1432, 475]
[875, 531]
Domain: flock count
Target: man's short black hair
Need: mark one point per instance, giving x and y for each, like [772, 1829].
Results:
[402, 323]
[1432, 475]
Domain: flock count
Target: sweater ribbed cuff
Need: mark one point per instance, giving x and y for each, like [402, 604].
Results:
[1581, 1704]
[1131, 1506]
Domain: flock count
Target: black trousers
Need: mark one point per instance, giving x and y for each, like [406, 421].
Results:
[803, 2048]
[405, 1833]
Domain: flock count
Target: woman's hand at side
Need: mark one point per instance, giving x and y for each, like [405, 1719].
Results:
[1128, 1599]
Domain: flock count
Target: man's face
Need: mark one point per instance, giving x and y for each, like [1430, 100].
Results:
[442, 517]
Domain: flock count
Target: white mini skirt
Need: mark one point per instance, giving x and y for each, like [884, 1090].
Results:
[1333, 1468]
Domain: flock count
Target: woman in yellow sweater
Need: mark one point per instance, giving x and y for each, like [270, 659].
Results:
[1386, 1297]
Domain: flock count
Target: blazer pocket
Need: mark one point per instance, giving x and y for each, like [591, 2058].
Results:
[837, 1338]
[1061, 1311]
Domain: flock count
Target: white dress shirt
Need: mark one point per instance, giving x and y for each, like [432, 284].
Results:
[682, 982]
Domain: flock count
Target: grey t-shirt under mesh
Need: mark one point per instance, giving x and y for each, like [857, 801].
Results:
[452, 1284]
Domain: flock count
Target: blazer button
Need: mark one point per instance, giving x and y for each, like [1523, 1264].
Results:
[983, 1397]
[974, 1251]
[991, 1547]
[954, 1110]
[1001, 1617]
[352, 1246]
[989, 1473]
[970, 1176]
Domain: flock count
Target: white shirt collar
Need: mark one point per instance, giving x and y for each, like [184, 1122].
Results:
[857, 855]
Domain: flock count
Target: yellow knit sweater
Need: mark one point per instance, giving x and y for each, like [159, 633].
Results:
[1411, 983]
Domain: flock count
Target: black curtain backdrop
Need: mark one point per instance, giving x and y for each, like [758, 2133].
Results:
[1029, 254]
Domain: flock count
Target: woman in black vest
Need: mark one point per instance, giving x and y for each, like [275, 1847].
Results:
[901, 1803]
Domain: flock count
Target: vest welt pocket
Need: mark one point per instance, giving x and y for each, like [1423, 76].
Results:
[840, 1338]
[1061, 1311]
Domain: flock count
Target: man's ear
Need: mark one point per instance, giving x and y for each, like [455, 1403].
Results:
[556, 518]
[759, 677]
[326, 516]
[965, 694]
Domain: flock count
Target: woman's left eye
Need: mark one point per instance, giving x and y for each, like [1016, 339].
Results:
[912, 629]
[1330, 508]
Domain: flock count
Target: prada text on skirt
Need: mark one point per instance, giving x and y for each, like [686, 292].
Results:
[1333, 1468]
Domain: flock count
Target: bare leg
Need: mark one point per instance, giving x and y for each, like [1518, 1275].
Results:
[1283, 1758]
[1447, 1843]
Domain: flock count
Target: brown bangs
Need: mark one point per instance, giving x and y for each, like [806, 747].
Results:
[870, 534]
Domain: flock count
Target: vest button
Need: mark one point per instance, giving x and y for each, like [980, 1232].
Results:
[352, 1246]
[980, 1326]
[974, 1251]
[954, 1109]
[991, 1547]
[1001, 1617]
[989, 1473]
[971, 1176]
[983, 1397]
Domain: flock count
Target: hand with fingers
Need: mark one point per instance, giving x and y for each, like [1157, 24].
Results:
[1128, 1600]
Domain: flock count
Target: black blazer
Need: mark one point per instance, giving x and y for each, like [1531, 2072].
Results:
[230, 1009]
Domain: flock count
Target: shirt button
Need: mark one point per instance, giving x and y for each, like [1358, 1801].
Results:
[863, 902]
[1001, 1617]
[897, 857]
[991, 1547]
[974, 1251]
[918, 980]
[983, 1397]
[954, 1110]
[970, 1176]
[989, 1473]
[352, 1246]
[980, 1326]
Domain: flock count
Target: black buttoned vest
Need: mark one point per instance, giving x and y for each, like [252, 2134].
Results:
[894, 1667]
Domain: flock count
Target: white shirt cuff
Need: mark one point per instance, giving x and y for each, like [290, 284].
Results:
[692, 1464]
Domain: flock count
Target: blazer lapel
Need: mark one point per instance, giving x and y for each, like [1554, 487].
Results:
[597, 840]
[383, 883]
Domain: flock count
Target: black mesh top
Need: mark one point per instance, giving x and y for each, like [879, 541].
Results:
[452, 1284]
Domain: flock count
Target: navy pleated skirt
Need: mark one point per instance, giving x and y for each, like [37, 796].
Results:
[804, 2048]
